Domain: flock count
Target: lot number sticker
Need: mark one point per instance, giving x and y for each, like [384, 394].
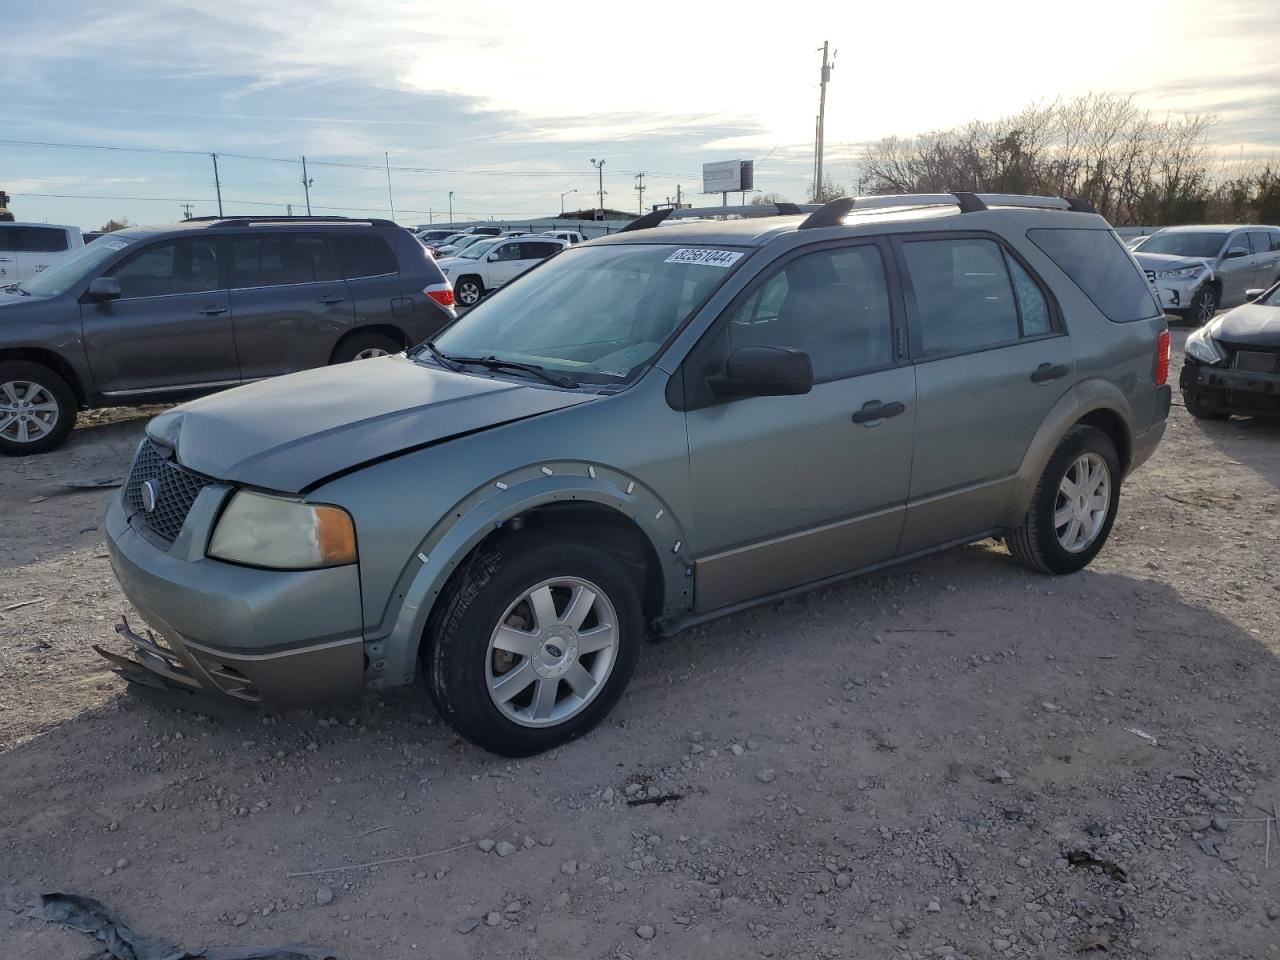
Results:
[707, 258]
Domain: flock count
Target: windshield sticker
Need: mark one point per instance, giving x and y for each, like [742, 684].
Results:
[707, 258]
[116, 244]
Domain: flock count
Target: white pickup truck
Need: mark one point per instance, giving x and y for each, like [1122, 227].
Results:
[27, 248]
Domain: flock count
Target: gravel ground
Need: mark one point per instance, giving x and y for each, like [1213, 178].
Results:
[956, 758]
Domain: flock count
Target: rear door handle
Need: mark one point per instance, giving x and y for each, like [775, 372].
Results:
[873, 411]
[212, 311]
[1050, 371]
[328, 301]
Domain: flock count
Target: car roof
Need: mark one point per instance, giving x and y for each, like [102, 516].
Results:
[258, 223]
[1215, 227]
[26, 223]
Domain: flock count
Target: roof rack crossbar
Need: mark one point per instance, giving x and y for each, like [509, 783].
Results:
[650, 219]
[834, 212]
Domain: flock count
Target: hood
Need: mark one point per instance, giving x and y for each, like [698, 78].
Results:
[1166, 261]
[289, 432]
[1252, 325]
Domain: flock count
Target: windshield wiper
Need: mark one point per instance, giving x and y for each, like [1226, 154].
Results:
[493, 363]
[449, 363]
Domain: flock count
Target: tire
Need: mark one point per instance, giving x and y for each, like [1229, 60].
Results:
[1037, 543]
[1198, 408]
[463, 666]
[37, 408]
[365, 346]
[468, 290]
[1203, 305]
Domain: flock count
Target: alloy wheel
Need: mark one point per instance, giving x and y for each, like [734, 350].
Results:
[368, 353]
[1084, 498]
[468, 293]
[1206, 306]
[28, 411]
[551, 652]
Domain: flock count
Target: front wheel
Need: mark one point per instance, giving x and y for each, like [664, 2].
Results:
[535, 640]
[469, 290]
[1073, 507]
[37, 408]
[1203, 306]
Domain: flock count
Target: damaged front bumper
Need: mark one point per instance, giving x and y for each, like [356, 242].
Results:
[1232, 390]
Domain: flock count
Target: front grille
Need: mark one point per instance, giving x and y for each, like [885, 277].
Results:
[175, 488]
[1257, 361]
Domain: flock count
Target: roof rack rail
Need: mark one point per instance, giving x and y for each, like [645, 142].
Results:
[245, 221]
[834, 212]
[751, 210]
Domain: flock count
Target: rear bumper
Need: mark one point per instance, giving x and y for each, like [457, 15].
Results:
[1144, 444]
[286, 639]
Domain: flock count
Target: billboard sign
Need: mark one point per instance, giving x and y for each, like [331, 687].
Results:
[728, 176]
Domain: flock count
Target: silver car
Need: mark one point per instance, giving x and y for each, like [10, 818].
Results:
[1199, 269]
[642, 433]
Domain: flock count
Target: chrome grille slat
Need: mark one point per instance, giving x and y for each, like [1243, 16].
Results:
[176, 491]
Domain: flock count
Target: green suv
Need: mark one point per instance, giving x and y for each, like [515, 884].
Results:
[643, 433]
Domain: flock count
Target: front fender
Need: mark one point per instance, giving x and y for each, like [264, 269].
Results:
[392, 658]
[1081, 400]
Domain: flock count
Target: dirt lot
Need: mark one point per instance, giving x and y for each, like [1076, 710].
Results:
[895, 768]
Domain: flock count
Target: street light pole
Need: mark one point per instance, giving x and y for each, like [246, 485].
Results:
[451, 208]
[562, 196]
[599, 165]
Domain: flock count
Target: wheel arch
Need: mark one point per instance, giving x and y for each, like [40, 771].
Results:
[1097, 403]
[55, 362]
[636, 524]
[385, 329]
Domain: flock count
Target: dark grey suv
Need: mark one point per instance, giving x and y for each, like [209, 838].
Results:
[169, 313]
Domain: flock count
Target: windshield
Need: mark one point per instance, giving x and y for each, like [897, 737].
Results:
[1184, 244]
[69, 271]
[476, 248]
[597, 314]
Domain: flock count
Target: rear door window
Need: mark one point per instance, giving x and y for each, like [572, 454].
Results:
[1098, 264]
[364, 255]
[273, 260]
[963, 295]
[185, 265]
[26, 239]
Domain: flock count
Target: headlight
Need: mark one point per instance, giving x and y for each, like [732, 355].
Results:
[445, 271]
[286, 534]
[1179, 274]
[1203, 347]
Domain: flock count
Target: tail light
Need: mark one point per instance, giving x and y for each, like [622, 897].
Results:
[441, 293]
[1162, 359]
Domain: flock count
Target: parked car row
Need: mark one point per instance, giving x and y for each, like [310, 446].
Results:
[638, 435]
[488, 264]
[167, 313]
[1199, 269]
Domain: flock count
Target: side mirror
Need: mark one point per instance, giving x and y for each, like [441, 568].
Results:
[102, 289]
[1235, 253]
[492, 258]
[764, 372]
[1252, 295]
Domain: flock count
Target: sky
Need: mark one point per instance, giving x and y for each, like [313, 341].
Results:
[507, 103]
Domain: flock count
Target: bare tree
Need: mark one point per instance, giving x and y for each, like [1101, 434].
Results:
[767, 198]
[111, 226]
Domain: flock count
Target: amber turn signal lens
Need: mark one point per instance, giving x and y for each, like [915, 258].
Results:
[335, 535]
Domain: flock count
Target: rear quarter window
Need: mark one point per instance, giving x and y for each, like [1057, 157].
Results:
[364, 255]
[32, 239]
[1097, 263]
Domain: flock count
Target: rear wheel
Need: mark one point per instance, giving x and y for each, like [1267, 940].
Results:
[365, 346]
[469, 290]
[37, 408]
[1073, 507]
[535, 640]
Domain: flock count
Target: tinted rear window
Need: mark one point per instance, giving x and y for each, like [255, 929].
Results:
[32, 239]
[1097, 262]
[364, 255]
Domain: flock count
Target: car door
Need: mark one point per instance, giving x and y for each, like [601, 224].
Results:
[503, 263]
[1236, 269]
[372, 272]
[289, 302]
[41, 248]
[10, 244]
[790, 490]
[1265, 257]
[991, 359]
[171, 328]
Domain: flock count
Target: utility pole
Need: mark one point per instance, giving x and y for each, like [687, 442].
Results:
[391, 200]
[306, 185]
[677, 196]
[217, 184]
[822, 111]
[288, 209]
[451, 208]
[562, 196]
[186, 211]
[599, 165]
[640, 190]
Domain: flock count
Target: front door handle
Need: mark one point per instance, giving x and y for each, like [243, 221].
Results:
[1050, 371]
[873, 411]
[329, 301]
[212, 311]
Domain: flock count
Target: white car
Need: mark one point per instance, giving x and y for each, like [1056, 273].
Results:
[27, 248]
[491, 262]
